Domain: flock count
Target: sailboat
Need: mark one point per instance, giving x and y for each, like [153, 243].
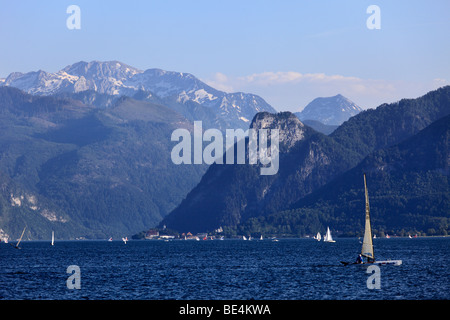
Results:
[328, 237]
[367, 245]
[318, 237]
[53, 238]
[125, 240]
[18, 242]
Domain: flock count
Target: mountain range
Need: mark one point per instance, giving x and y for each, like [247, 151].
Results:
[179, 91]
[86, 152]
[408, 190]
[237, 198]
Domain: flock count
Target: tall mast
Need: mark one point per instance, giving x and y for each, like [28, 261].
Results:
[17, 245]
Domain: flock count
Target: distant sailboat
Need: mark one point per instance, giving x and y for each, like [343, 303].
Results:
[125, 240]
[328, 237]
[53, 238]
[318, 237]
[367, 246]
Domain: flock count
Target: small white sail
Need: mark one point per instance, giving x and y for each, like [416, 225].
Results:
[53, 238]
[328, 237]
[318, 237]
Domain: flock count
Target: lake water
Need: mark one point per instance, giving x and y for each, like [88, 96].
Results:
[290, 269]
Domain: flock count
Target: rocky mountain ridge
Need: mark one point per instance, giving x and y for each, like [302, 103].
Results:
[182, 91]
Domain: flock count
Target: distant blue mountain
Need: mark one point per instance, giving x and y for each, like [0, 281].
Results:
[330, 111]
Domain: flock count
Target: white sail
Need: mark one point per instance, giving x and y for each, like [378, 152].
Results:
[53, 238]
[328, 237]
[367, 247]
[318, 236]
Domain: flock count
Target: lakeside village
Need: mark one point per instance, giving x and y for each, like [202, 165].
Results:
[224, 233]
[168, 234]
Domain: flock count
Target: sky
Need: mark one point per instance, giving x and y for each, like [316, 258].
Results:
[287, 52]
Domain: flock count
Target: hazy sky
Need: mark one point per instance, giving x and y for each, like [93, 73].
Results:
[288, 52]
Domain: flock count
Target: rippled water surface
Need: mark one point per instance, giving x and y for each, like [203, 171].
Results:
[231, 269]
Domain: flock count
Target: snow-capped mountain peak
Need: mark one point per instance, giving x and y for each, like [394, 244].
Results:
[117, 78]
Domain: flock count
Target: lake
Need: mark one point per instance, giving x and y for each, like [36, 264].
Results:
[289, 269]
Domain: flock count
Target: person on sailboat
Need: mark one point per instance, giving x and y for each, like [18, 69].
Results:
[359, 260]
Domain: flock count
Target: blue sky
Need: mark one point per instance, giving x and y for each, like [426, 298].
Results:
[288, 52]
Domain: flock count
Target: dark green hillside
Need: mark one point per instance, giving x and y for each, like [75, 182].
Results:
[231, 195]
[392, 123]
[408, 188]
[107, 171]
